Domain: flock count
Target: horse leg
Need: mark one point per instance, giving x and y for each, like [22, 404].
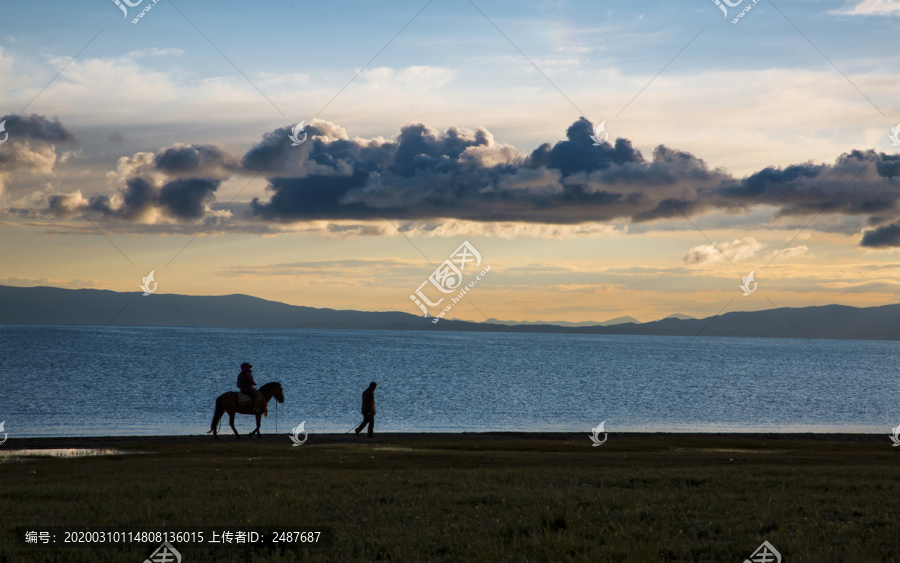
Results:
[231, 422]
[258, 420]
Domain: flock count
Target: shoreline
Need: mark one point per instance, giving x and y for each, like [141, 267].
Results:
[644, 439]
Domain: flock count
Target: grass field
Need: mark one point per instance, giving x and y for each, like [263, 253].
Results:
[478, 497]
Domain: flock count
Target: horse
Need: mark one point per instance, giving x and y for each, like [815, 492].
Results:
[228, 402]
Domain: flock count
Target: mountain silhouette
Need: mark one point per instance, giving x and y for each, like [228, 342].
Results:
[92, 307]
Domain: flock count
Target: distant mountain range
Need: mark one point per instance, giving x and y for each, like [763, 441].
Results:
[56, 306]
[610, 322]
[615, 321]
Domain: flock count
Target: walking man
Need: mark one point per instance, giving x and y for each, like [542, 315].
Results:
[368, 409]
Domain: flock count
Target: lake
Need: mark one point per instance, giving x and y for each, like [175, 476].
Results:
[104, 381]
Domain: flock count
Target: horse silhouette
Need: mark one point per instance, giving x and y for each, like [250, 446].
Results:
[229, 402]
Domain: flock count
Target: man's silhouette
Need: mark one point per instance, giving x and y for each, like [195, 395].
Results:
[247, 385]
[368, 409]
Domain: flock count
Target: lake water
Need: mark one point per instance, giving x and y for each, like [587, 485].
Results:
[102, 381]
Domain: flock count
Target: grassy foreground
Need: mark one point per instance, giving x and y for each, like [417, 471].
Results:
[481, 497]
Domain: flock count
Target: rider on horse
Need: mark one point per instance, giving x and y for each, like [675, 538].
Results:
[247, 385]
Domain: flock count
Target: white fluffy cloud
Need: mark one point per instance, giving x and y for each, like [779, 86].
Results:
[870, 8]
[691, 110]
[736, 251]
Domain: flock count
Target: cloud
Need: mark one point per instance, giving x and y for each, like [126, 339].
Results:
[736, 251]
[886, 236]
[154, 52]
[184, 199]
[31, 145]
[49, 282]
[761, 134]
[425, 180]
[37, 128]
[362, 269]
[66, 205]
[465, 175]
[207, 160]
[792, 252]
[869, 8]
[425, 175]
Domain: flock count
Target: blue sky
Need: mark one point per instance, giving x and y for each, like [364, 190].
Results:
[599, 54]
[799, 84]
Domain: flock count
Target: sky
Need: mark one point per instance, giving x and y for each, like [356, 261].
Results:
[602, 159]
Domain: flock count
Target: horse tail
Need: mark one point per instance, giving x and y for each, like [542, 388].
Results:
[216, 415]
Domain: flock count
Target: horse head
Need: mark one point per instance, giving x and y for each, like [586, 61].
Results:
[273, 389]
[279, 392]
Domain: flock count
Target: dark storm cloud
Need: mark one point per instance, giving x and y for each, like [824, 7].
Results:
[138, 198]
[889, 165]
[183, 199]
[186, 198]
[311, 198]
[195, 160]
[858, 183]
[426, 175]
[25, 137]
[179, 181]
[37, 128]
[262, 156]
[577, 153]
[882, 237]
